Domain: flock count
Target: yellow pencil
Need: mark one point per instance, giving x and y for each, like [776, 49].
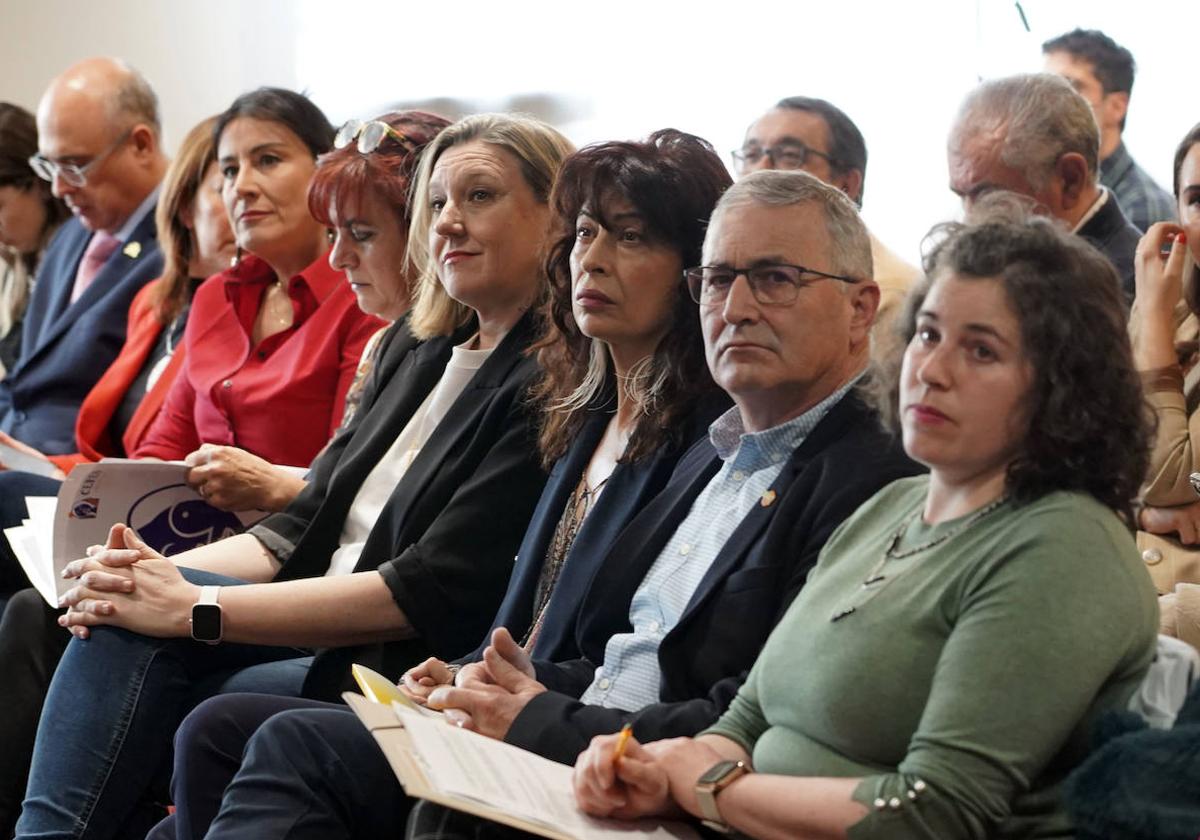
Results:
[619, 749]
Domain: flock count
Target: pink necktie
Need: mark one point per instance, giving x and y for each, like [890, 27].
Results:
[99, 249]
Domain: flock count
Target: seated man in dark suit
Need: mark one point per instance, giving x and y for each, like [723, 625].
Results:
[688, 593]
[98, 135]
[1034, 135]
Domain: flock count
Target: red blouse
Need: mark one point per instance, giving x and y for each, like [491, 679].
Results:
[281, 400]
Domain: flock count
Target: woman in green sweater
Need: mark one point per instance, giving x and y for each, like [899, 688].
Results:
[938, 674]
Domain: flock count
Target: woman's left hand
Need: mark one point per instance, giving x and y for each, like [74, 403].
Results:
[159, 603]
[232, 479]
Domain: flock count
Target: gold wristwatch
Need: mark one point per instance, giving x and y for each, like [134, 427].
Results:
[714, 780]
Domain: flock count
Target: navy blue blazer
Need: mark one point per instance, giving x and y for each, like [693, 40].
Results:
[67, 346]
[705, 658]
[629, 489]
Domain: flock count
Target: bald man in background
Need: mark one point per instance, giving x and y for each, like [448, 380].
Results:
[99, 145]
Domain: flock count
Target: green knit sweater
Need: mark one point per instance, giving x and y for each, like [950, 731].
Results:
[969, 675]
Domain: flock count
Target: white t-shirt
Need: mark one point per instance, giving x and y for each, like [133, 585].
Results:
[378, 486]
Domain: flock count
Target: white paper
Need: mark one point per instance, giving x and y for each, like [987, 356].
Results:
[526, 785]
[14, 459]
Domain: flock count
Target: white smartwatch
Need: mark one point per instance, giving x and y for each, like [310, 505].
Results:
[206, 616]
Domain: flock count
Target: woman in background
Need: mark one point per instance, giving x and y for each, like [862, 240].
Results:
[29, 215]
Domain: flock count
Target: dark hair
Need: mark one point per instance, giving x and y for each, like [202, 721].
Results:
[1112, 64]
[847, 148]
[673, 180]
[177, 242]
[1191, 280]
[18, 143]
[345, 175]
[286, 107]
[1088, 425]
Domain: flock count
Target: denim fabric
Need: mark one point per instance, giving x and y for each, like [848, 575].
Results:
[115, 701]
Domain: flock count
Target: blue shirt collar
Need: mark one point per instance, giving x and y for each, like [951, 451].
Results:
[135, 218]
[729, 436]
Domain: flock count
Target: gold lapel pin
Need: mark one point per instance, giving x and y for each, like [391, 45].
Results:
[768, 498]
[133, 250]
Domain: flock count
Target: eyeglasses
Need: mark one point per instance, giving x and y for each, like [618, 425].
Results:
[772, 284]
[784, 156]
[75, 174]
[370, 135]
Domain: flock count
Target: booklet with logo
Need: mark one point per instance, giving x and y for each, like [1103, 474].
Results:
[150, 496]
[491, 779]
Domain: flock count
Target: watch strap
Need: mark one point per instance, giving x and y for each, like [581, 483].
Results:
[209, 594]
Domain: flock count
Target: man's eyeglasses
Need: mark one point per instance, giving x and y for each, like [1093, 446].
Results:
[783, 156]
[772, 284]
[75, 174]
[370, 135]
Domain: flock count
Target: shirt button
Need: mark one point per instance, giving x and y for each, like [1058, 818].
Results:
[1152, 557]
[654, 626]
[685, 549]
[738, 475]
[604, 683]
[227, 384]
[776, 458]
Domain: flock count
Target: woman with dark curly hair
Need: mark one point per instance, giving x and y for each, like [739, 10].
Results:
[939, 671]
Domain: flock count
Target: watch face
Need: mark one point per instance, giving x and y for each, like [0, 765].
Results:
[206, 622]
[717, 772]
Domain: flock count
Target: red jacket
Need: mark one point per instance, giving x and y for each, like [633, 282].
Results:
[282, 399]
[96, 413]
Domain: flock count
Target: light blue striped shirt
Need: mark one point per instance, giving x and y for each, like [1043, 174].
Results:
[629, 678]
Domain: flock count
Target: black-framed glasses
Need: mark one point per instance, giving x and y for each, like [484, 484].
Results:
[790, 155]
[369, 135]
[772, 284]
[75, 174]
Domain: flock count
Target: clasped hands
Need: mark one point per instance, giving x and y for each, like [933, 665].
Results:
[127, 584]
[484, 696]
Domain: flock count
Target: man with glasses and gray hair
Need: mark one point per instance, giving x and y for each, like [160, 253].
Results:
[99, 147]
[1033, 135]
[816, 136]
[687, 595]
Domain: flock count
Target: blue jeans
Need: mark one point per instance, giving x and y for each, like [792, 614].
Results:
[104, 739]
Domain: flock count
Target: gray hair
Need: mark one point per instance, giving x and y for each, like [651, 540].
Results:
[849, 243]
[1037, 117]
[135, 100]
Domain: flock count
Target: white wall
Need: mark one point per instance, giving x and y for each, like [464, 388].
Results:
[626, 67]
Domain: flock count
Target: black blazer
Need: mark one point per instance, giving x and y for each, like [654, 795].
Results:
[445, 539]
[629, 489]
[706, 656]
[66, 347]
[1113, 235]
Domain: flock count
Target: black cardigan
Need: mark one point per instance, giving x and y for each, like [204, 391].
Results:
[445, 539]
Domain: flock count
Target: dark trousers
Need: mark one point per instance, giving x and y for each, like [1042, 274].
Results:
[31, 643]
[263, 767]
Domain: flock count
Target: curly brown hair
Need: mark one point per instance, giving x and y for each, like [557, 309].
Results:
[673, 179]
[1089, 427]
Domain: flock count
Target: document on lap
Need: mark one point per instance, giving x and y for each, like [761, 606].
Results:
[15, 459]
[491, 779]
[152, 497]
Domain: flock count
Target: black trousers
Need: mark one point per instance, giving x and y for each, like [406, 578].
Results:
[31, 643]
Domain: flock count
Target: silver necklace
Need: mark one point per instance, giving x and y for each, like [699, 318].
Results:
[875, 578]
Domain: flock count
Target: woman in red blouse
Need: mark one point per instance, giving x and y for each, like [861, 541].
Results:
[273, 342]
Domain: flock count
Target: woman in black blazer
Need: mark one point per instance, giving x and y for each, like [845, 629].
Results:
[623, 391]
[398, 548]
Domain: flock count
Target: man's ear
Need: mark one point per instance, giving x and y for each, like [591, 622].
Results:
[864, 306]
[1073, 173]
[144, 141]
[1115, 106]
[851, 183]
